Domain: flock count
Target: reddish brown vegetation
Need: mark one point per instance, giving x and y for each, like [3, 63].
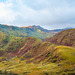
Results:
[66, 37]
[23, 47]
[28, 27]
[1, 53]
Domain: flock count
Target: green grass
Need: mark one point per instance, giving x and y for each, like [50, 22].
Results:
[65, 65]
[65, 53]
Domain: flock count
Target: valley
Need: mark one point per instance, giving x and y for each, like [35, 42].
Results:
[35, 51]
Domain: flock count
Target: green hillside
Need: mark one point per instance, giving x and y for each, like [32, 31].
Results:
[33, 56]
[24, 32]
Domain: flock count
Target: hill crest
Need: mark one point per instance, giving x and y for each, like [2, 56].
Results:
[66, 37]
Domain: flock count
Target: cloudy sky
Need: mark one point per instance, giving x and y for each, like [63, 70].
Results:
[50, 14]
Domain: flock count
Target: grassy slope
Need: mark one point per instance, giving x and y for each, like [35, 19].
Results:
[32, 56]
[64, 64]
[66, 37]
[7, 40]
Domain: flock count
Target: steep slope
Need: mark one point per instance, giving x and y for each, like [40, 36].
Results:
[17, 45]
[9, 41]
[24, 46]
[66, 37]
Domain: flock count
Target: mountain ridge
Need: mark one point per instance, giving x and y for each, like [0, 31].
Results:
[22, 32]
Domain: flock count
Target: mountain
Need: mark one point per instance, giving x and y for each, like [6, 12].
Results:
[45, 30]
[37, 28]
[33, 31]
[33, 56]
[66, 37]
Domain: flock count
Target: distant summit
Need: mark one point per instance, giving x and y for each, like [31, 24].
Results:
[46, 30]
[36, 28]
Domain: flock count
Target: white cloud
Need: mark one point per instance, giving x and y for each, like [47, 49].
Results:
[19, 12]
[6, 13]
